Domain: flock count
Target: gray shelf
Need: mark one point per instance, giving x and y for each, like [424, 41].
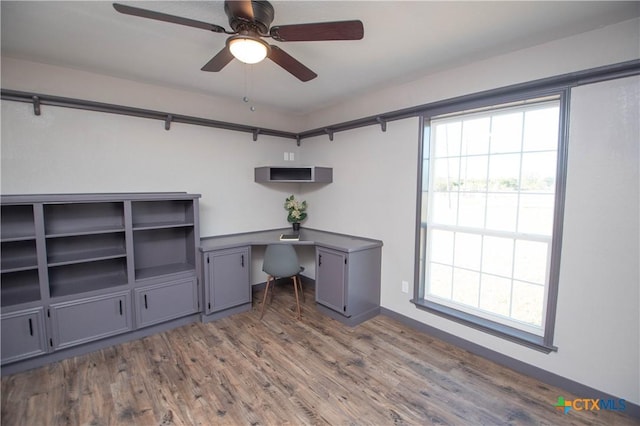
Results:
[310, 174]
[158, 271]
[76, 278]
[20, 287]
[18, 256]
[83, 218]
[85, 248]
[16, 222]
[161, 213]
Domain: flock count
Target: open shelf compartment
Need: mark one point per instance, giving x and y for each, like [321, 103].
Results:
[16, 222]
[19, 287]
[163, 251]
[83, 218]
[84, 277]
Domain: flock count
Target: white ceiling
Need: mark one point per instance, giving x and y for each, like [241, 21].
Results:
[403, 40]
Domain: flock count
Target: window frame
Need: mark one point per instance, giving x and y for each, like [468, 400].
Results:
[542, 343]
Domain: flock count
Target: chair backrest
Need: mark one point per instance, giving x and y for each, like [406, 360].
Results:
[281, 260]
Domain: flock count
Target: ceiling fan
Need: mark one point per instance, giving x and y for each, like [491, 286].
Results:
[250, 22]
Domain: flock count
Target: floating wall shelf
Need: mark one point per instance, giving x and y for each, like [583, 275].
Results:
[294, 174]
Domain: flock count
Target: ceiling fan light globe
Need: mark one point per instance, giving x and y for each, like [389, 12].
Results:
[248, 49]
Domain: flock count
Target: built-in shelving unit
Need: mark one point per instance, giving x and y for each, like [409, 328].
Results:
[76, 268]
[312, 174]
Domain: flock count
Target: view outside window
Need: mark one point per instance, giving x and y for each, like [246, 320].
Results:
[488, 208]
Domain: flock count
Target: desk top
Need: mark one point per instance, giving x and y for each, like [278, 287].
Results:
[308, 236]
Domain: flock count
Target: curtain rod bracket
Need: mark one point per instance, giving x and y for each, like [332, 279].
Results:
[36, 105]
[167, 122]
[329, 132]
[256, 132]
[383, 123]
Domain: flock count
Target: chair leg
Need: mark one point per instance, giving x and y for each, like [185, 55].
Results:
[264, 299]
[295, 287]
[301, 290]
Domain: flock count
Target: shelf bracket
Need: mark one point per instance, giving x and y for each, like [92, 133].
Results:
[329, 132]
[36, 105]
[298, 140]
[383, 123]
[256, 132]
[167, 122]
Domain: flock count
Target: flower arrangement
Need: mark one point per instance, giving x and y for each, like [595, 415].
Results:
[296, 209]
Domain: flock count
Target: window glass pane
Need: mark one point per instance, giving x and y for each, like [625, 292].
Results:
[497, 256]
[440, 277]
[504, 172]
[502, 212]
[506, 132]
[536, 214]
[527, 302]
[471, 210]
[473, 173]
[467, 251]
[475, 136]
[446, 174]
[466, 287]
[444, 208]
[495, 294]
[441, 246]
[530, 263]
[447, 140]
[541, 129]
[539, 172]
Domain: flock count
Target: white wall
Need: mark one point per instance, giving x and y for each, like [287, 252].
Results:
[373, 193]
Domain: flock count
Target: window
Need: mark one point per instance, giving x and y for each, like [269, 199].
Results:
[489, 231]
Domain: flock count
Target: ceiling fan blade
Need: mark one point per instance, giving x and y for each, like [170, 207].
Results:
[144, 13]
[240, 8]
[340, 30]
[219, 61]
[290, 64]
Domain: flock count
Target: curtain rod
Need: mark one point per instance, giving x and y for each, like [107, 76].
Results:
[593, 75]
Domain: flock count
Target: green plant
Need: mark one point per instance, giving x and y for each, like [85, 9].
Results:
[296, 209]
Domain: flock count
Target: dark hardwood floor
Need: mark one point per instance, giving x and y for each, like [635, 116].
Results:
[241, 371]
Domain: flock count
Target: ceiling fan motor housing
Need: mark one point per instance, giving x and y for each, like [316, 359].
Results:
[260, 20]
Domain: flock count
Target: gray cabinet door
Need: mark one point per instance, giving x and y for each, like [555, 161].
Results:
[227, 278]
[92, 318]
[23, 335]
[331, 279]
[166, 301]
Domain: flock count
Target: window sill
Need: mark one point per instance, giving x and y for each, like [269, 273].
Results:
[508, 333]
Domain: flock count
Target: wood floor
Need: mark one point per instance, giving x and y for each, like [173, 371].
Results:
[241, 371]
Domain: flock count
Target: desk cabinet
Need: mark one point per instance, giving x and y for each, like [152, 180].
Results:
[348, 283]
[227, 278]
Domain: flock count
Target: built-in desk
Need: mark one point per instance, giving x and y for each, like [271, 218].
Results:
[347, 280]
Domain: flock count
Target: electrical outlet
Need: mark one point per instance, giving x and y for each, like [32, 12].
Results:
[292, 156]
[286, 156]
[405, 286]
